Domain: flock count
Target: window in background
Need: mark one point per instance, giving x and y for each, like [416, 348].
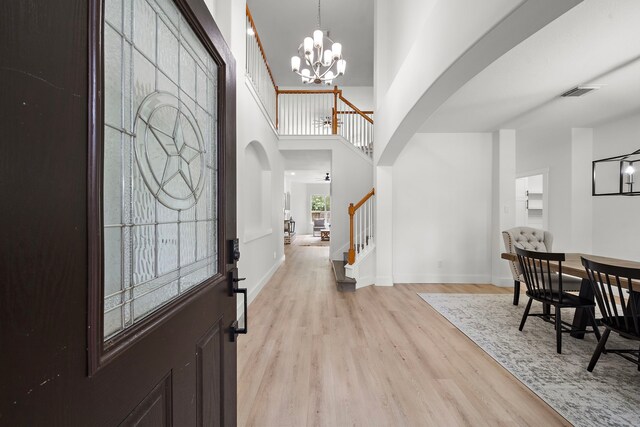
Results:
[321, 208]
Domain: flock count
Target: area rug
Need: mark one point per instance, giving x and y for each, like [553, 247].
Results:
[313, 243]
[609, 396]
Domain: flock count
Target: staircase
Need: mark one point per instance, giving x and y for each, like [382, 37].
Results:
[343, 283]
[361, 244]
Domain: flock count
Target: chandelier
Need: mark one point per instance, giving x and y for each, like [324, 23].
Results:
[323, 65]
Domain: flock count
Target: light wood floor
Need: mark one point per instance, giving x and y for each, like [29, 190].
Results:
[376, 357]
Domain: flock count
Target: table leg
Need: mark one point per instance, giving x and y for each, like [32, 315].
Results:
[581, 318]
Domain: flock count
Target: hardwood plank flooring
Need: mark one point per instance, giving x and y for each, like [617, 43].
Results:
[376, 357]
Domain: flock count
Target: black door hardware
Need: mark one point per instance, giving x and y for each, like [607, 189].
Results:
[234, 289]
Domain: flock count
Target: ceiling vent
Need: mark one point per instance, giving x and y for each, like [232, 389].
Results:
[579, 91]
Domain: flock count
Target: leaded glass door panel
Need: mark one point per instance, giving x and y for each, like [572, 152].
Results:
[160, 160]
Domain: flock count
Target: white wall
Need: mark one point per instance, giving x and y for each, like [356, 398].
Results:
[503, 177]
[261, 255]
[442, 199]
[360, 96]
[616, 219]
[221, 11]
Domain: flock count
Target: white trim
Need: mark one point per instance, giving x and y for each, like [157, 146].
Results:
[251, 235]
[256, 290]
[443, 278]
[384, 281]
[503, 282]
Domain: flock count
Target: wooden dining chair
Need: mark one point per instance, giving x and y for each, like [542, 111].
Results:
[617, 292]
[545, 286]
[532, 239]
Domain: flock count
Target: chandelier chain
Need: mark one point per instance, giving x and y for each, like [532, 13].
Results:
[317, 65]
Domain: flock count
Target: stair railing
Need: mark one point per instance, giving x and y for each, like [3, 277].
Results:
[306, 112]
[355, 126]
[259, 72]
[361, 226]
[324, 112]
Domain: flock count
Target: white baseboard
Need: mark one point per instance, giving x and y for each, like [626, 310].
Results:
[384, 281]
[365, 281]
[256, 290]
[443, 278]
[503, 282]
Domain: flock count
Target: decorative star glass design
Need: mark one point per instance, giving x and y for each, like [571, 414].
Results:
[169, 151]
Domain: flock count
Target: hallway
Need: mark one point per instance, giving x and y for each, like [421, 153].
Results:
[380, 356]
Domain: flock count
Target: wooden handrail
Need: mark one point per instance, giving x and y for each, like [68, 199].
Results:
[355, 112]
[264, 56]
[363, 200]
[356, 109]
[351, 255]
[303, 91]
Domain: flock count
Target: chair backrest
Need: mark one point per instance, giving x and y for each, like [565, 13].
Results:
[525, 238]
[538, 276]
[318, 223]
[610, 282]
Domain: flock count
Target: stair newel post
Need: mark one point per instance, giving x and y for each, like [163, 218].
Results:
[334, 114]
[351, 257]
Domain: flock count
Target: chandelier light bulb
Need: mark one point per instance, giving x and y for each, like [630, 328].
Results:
[328, 57]
[336, 48]
[305, 75]
[308, 45]
[329, 78]
[295, 64]
[317, 39]
[341, 67]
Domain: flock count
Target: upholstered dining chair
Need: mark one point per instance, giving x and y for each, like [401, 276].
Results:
[531, 239]
[617, 292]
[545, 286]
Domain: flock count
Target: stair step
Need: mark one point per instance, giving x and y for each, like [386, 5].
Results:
[343, 283]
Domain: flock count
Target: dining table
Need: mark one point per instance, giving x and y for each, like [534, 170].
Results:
[572, 266]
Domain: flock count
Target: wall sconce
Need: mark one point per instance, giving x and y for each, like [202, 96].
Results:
[614, 176]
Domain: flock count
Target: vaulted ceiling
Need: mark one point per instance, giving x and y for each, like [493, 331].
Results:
[283, 24]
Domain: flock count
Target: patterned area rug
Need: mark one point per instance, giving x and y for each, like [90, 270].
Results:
[609, 396]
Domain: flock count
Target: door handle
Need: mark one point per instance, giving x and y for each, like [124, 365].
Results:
[234, 290]
[234, 326]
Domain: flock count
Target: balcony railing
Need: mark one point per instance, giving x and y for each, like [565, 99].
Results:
[305, 112]
[259, 72]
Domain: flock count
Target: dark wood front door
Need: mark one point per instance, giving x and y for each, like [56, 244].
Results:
[117, 181]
